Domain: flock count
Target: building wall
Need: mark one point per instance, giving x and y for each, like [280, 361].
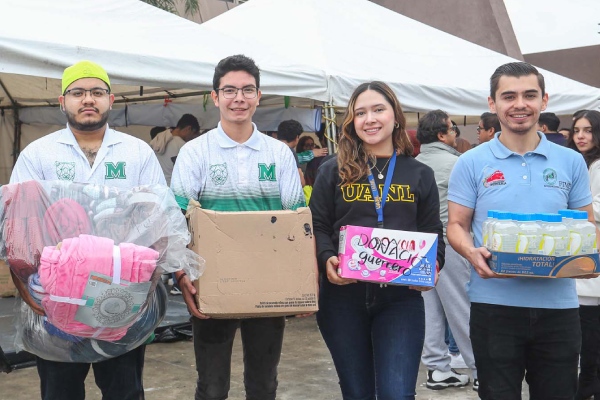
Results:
[484, 22]
[581, 63]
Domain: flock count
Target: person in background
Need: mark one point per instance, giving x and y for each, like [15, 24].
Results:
[586, 140]
[448, 300]
[310, 176]
[566, 132]
[578, 114]
[306, 151]
[487, 127]
[412, 136]
[374, 332]
[289, 132]
[548, 124]
[306, 143]
[155, 131]
[166, 144]
[462, 145]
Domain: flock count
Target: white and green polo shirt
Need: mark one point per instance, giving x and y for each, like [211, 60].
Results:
[122, 161]
[224, 175]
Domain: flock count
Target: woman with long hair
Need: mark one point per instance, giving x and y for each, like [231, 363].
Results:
[585, 138]
[374, 332]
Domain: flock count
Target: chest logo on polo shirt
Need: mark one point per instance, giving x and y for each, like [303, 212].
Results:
[551, 180]
[115, 171]
[65, 171]
[218, 173]
[266, 173]
[550, 177]
[496, 178]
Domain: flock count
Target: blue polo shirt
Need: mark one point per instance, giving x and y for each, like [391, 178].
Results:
[547, 179]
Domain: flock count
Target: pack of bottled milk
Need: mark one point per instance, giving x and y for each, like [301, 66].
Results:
[567, 233]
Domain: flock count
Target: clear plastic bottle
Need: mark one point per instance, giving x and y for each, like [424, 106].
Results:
[582, 234]
[530, 233]
[555, 236]
[567, 217]
[486, 229]
[505, 233]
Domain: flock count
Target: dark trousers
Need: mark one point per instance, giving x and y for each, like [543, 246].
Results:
[118, 378]
[510, 343]
[375, 336]
[589, 376]
[262, 339]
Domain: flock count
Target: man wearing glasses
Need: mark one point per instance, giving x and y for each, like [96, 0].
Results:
[448, 300]
[234, 167]
[488, 126]
[88, 151]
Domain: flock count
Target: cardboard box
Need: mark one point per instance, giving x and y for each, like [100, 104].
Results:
[258, 263]
[388, 256]
[541, 266]
[7, 287]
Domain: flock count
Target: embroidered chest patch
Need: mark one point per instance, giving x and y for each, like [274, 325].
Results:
[65, 171]
[218, 173]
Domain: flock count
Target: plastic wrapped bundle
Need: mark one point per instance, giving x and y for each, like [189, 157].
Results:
[92, 257]
[35, 337]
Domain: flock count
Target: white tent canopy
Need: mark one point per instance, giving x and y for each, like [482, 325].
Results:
[314, 49]
[354, 41]
[139, 45]
[148, 53]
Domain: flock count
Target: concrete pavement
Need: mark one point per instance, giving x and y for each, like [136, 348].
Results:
[306, 372]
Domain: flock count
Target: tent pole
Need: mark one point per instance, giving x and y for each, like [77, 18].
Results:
[17, 133]
[17, 136]
[330, 127]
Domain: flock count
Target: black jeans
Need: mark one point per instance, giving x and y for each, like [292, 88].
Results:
[118, 378]
[589, 376]
[262, 339]
[510, 343]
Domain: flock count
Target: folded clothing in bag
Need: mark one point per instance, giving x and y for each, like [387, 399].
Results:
[66, 219]
[24, 207]
[94, 288]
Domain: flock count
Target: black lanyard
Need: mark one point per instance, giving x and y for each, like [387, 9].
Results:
[380, 201]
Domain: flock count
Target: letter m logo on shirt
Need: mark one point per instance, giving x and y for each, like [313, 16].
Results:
[115, 171]
[266, 173]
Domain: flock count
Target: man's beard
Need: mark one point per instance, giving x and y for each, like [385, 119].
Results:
[87, 126]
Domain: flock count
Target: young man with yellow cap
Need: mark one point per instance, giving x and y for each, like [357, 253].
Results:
[88, 151]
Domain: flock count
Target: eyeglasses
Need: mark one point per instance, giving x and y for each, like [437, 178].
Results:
[249, 92]
[479, 129]
[453, 128]
[94, 92]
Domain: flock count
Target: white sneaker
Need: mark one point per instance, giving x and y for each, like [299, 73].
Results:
[457, 361]
[438, 380]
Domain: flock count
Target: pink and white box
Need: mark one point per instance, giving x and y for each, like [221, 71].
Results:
[388, 256]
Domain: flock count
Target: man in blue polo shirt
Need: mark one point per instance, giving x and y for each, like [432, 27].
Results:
[519, 326]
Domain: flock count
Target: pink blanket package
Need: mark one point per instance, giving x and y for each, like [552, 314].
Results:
[93, 288]
[387, 256]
